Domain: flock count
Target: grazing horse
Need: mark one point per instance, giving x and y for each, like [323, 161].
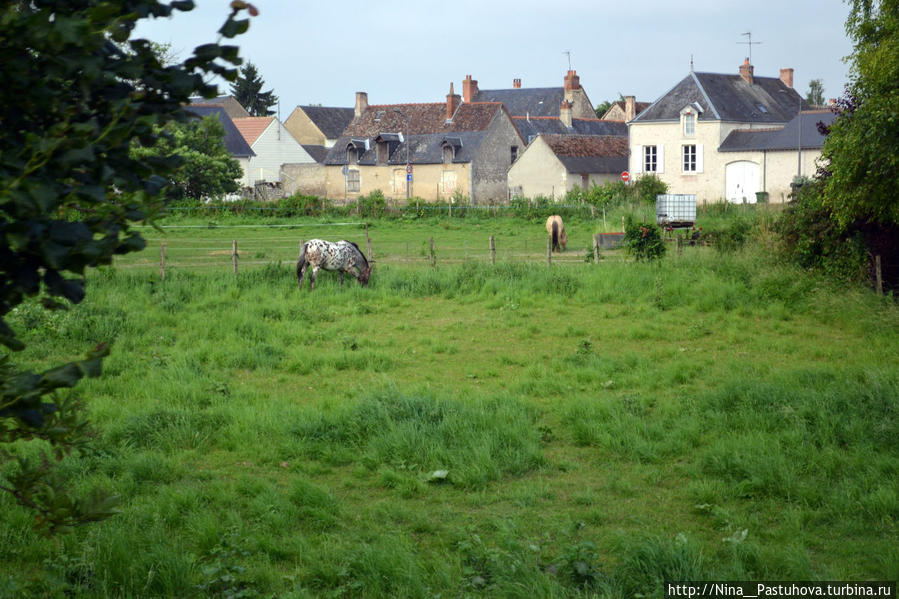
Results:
[556, 231]
[343, 256]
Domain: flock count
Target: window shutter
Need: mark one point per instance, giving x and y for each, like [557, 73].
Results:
[637, 163]
[660, 159]
[698, 158]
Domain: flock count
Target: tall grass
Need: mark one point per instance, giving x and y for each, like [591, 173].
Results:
[471, 429]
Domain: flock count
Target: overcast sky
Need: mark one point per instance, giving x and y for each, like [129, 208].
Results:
[322, 52]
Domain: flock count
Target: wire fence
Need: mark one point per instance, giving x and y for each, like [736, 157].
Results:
[247, 251]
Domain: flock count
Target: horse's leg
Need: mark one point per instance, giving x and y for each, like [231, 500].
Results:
[312, 276]
[340, 277]
[301, 271]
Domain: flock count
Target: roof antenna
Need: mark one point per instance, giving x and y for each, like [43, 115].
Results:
[568, 52]
[691, 63]
[750, 43]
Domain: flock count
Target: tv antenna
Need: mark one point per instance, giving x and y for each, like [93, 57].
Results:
[749, 43]
[568, 53]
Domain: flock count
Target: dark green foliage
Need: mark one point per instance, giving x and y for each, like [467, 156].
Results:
[811, 235]
[643, 240]
[206, 168]
[77, 91]
[373, 205]
[646, 188]
[862, 147]
[247, 90]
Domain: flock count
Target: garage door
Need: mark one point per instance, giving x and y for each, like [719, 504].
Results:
[742, 182]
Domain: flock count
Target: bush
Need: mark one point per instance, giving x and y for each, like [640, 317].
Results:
[647, 187]
[643, 240]
[811, 237]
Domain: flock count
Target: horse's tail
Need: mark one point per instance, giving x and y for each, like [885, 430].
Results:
[555, 235]
[301, 263]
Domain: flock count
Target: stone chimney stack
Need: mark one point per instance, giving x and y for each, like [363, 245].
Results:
[516, 84]
[469, 88]
[630, 108]
[452, 102]
[565, 113]
[786, 75]
[746, 71]
[361, 103]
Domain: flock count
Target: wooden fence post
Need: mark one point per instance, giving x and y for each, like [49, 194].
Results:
[549, 251]
[433, 256]
[596, 248]
[162, 262]
[878, 274]
[680, 244]
[492, 250]
[234, 255]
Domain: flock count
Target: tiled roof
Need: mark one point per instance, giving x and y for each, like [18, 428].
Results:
[235, 143]
[330, 120]
[423, 119]
[785, 139]
[589, 153]
[252, 127]
[535, 101]
[318, 152]
[727, 98]
[422, 149]
[531, 127]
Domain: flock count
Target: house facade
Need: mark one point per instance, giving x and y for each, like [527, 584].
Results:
[554, 164]
[453, 151]
[679, 137]
[273, 147]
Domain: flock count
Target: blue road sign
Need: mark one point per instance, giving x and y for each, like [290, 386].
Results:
[409, 177]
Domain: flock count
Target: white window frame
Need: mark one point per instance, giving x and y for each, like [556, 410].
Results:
[353, 180]
[697, 160]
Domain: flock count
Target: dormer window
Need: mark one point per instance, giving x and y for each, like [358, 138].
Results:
[450, 146]
[689, 123]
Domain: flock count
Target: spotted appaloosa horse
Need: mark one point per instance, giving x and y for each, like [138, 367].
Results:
[343, 256]
[556, 231]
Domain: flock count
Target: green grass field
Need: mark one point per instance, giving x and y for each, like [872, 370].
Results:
[469, 430]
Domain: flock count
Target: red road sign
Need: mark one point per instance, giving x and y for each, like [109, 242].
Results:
[408, 168]
[625, 176]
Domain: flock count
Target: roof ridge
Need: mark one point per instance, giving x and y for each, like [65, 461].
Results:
[705, 95]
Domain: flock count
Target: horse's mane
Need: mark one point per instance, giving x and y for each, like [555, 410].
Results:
[358, 250]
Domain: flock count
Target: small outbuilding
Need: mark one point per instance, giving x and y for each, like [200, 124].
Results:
[554, 164]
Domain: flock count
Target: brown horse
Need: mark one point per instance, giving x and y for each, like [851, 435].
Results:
[556, 231]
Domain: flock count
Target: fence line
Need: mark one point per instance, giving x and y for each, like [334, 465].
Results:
[430, 252]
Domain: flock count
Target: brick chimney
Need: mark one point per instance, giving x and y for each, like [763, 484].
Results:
[572, 81]
[565, 113]
[746, 70]
[469, 88]
[786, 75]
[452, 102]
[630, 108]
[516, 84]
[361, 103]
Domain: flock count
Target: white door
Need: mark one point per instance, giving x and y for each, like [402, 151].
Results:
[741, 182]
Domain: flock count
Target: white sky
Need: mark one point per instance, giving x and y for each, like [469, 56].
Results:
[322, 52]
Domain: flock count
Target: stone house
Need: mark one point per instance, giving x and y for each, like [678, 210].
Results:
[454, 149]
[553, 164]
[624, 110]
[679, 137]
[774, 157]
[317, 128]
[273, 146]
